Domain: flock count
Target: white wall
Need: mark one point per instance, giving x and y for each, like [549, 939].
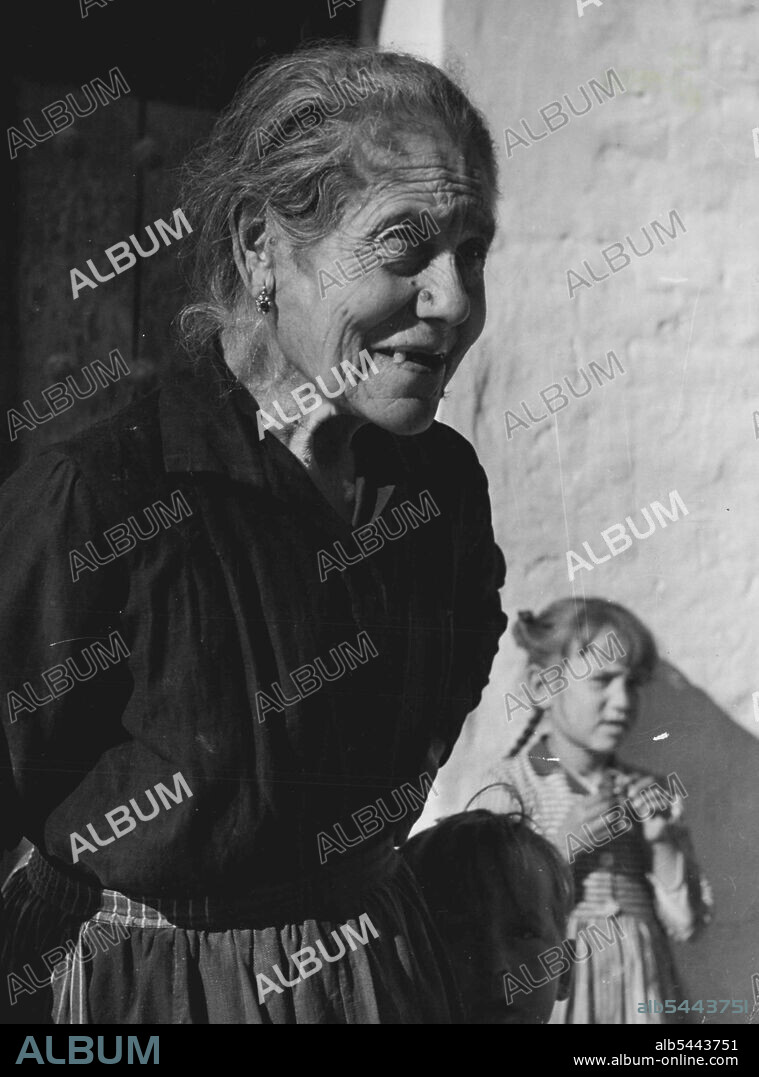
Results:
[414, 27]
[684, 322]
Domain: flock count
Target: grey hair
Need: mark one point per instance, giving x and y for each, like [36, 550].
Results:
[303, 134]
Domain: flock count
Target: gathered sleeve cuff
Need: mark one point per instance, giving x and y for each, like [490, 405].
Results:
[684, 906]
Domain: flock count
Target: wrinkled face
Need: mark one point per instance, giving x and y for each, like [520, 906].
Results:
[411, 294]
[597, 713]
[497, 963]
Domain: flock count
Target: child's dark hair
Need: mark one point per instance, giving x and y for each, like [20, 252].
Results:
[570, 621]
[465, 859]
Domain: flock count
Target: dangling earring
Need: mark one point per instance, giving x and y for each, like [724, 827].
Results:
[263, 301]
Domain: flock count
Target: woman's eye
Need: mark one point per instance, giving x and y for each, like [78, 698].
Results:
[475, 250]
[396, 249]
[393, 243]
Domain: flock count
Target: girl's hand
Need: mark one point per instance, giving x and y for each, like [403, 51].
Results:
[660, 825]
[657, 828]
[585, 823]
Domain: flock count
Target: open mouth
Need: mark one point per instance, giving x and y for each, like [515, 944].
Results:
[432, 361]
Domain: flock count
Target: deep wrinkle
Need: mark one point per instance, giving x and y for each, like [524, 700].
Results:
[432, 302]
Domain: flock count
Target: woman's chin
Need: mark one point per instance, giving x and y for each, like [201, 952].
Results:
[406, 417]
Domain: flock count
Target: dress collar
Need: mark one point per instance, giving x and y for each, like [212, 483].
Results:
[543, 764]
[208, 423]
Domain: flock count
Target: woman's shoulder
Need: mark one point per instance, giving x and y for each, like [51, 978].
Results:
[131, 438]
[115, 460]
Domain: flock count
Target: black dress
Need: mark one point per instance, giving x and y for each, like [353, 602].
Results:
[218, 696]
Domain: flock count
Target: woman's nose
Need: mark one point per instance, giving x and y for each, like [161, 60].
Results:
[442, 294]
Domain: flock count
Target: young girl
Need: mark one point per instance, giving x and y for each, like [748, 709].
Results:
[619, 829]
[500, 895]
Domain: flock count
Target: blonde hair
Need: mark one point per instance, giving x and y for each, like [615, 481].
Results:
[569, 622]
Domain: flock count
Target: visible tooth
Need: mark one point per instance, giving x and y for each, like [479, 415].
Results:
[399, 357]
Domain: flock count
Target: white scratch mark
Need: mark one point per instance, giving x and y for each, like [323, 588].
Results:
[746, 164]
[687, 353]
[661, 736]
[75, 638]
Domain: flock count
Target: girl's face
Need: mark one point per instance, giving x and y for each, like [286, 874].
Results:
[417, 313]
[598, 712]
[510, 940]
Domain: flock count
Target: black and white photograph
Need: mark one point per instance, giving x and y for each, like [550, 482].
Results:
[379, 600]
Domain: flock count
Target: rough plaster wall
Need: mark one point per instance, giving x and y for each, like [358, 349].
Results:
[683, 322]
[418, 26]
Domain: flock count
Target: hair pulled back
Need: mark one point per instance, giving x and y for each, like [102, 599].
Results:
[303, 134]
[570, 622]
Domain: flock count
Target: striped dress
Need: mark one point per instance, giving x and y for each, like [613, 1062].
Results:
[623, 914]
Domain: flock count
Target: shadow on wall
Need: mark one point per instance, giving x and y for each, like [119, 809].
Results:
[717, 762]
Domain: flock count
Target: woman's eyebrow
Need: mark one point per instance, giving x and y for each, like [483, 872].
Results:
[411, 214]
[471, 217]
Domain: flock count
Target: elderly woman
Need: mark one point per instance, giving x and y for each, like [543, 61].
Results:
[246, 618]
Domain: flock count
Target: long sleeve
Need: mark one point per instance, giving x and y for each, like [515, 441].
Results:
[207, 541]
[685, 907]
[478, 619]
[55, 726]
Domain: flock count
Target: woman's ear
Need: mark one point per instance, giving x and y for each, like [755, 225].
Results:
[251, 246]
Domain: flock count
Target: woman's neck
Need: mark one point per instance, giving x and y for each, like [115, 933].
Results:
[320, 440]
[323, 447]
[575, 757]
